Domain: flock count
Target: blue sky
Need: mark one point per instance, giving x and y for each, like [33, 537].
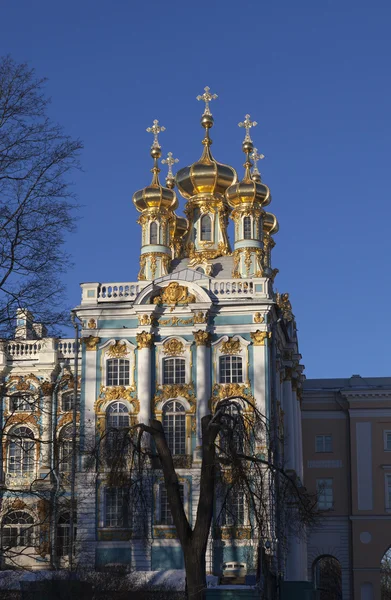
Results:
[316, 77]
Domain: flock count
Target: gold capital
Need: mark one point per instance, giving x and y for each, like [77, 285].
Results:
[91, 342]
[144, 340]
[202, 338]
[259, 337]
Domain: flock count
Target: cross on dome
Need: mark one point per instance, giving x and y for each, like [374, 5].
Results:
[170, 161]
[247, 124]
[255, 158]
[155, 129]
[207, 97]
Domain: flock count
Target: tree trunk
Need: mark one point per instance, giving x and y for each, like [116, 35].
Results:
[195, 573]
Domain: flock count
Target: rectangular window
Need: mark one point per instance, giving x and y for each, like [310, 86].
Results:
[231, 370]
[22, 404]
[233, 514]
[116, 507]
[387, 440]
[165, 512]
[323, 443]
[174, 370]
[117, 371]
[324, 489]
[388, 491]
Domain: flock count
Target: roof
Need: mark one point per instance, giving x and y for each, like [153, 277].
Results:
[355, 381]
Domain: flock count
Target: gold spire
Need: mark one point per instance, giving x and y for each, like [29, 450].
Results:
[170, 161]
[247, 124]
[256, 157]
[207, 97]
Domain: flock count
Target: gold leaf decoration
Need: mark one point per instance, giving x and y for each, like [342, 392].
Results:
[91, 324]
[144, 340]
[259, 337]
[202, 338]
[91, 342]
[173, 347]
[258, 318]
[174, 294]
[118, 350]
[231, 346]
[200, 317]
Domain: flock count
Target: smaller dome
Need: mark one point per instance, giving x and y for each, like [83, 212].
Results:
[248, 191]
[179, 227]
[270, 223]
[206, 176]
[155, 196]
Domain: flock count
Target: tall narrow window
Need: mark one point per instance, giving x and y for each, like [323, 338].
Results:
[387, 440]
[21, 451]
[233, 513]
[63, 534]
[153, 238]
[116, 507]
[17, 530]
[117, 371]
[165, 512]
[66, 447]
[206, 228]
[68, 401]
[247, 228]
[232, 436]
[231, 369]
[324, 488]
[174, 424]
[174, 370]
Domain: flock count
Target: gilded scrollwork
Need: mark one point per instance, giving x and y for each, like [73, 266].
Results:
[228, 390]
[118, 350]
[231, 346]
[91, 324]
[144, 340]
[174, 294]
[259, 337]
[202, 338]
[91, 342]
[173, 347]
[175, 390]
[200, 317]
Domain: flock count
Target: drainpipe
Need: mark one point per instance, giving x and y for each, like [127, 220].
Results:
[74, 439]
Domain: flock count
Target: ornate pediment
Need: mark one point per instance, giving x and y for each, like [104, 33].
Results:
[173, 295]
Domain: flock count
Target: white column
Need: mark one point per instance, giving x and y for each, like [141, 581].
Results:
[90, 395]
[289, 422]
[47, 442]
[144, 361]
[259, 367]
[203, 380]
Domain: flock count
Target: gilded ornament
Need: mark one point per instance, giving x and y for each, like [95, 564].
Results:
[117, 392]
[144, 340]
[153, 266]
[231, 346]
[247, 260]
[174, 294]
[18, 504]
[228, 390]
[146, 320]
[202, 338]
[47, 388]
[258, 318]
[173, 321]
[285, 306]
[168, 391]
[200, 317]
[173, 347]
[91, 342]
[118, 350]
[259, 337]
[91, 324]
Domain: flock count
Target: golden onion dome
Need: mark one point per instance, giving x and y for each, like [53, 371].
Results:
[178, 227]
[270, 223]
[249, 190]
[155, 195]
[206, 176]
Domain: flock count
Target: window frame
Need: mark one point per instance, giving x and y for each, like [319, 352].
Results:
[206, 218]
[18, 526]
[177, 361]
[162, 494]
[228, 516]
[151, 241]
[27, 399]
[386, 433]
[62, 526]
[65, 397]
[122, 521]
[177, 421]
[247, 220]
[331, 487]
[323, 436]
[21, 440]
[230, 358]
[387, 491]
[118, 380]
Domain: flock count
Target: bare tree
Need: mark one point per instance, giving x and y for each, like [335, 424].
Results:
[234, 459]
[36, 201]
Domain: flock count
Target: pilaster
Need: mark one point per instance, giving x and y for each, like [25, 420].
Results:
[90, 393]
[289, 421]
[144, 363]
[202, 339]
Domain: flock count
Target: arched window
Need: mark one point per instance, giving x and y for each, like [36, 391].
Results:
[66, 448]
[206, 228]
[247, 234]
[231, 369]
[233, 512]
[68, 401]
[117, 416]
[328, 578]
[174, 370]
[174, 424]
[21, 403]
[64, 534]
[21, 451]
[117, 371]
[153, 231]
[17, 530]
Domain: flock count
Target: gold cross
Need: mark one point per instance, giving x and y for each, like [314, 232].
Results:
[155, 129]
[247, 124]
[255, 158]
[170, 161]
[207, 97]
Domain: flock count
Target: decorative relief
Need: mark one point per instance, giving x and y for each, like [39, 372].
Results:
[231, 346]
[146, 320]
[258, 318]
[259, 337]
[118, 350]
[91, 324]
[173, 347]
[18, 504]
[22, 383]
[164, 533]
[174, 294]
[227, 390]
[202, 338]
[285, 306]
[116, 392]
[144, 340]
[167, 391]
[238, 533]
[91, 342]
[200, 317]
[47, 388]
[67, 418]
[174, 321]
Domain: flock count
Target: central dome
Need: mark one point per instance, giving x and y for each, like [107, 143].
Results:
[206, 176]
